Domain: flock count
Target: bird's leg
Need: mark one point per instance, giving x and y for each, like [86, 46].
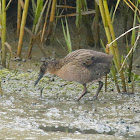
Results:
[84, 92]
[99, 89]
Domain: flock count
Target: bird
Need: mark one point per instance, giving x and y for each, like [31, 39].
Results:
[82, 66]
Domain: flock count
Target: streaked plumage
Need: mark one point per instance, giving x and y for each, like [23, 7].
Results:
[82, 66]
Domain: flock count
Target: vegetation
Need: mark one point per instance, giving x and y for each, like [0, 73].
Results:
[3, 32]
[122, 67]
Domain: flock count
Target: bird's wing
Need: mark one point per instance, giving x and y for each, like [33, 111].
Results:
[85, 58]
[79, 57]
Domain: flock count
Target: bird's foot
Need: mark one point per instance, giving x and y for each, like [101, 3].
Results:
[78, 99]
[95, 97]
[82, 95]
[41, 92]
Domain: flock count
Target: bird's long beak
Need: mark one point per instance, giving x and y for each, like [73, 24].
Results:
[38, 79]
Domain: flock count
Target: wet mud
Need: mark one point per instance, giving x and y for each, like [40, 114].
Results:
[57, 114]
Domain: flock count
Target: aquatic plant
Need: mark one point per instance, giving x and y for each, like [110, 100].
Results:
[67, 35]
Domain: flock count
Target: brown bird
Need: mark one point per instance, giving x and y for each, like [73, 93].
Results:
[82, 66]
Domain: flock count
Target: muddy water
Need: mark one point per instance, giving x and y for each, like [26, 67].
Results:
[57, 115]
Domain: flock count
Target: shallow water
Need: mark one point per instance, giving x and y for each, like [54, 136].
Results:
[57, 115]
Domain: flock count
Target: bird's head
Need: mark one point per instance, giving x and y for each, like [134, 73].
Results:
[43, 70]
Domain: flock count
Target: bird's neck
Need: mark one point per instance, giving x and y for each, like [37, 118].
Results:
[54, 66]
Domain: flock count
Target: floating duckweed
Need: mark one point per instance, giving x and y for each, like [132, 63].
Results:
[93, 87]
[4, 72]
[109, 82]
[44, 79]
[79, 86]
[49, 88]
[23, 75]
[70, 88]
[63, 92]
[78, 89]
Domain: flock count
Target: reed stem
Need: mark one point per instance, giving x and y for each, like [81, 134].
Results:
[111, 36]
[23, 22]
[3, 33]
[18, 18]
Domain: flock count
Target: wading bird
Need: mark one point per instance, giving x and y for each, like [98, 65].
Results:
[82, 66]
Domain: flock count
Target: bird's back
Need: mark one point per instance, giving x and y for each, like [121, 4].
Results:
[84, 66]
